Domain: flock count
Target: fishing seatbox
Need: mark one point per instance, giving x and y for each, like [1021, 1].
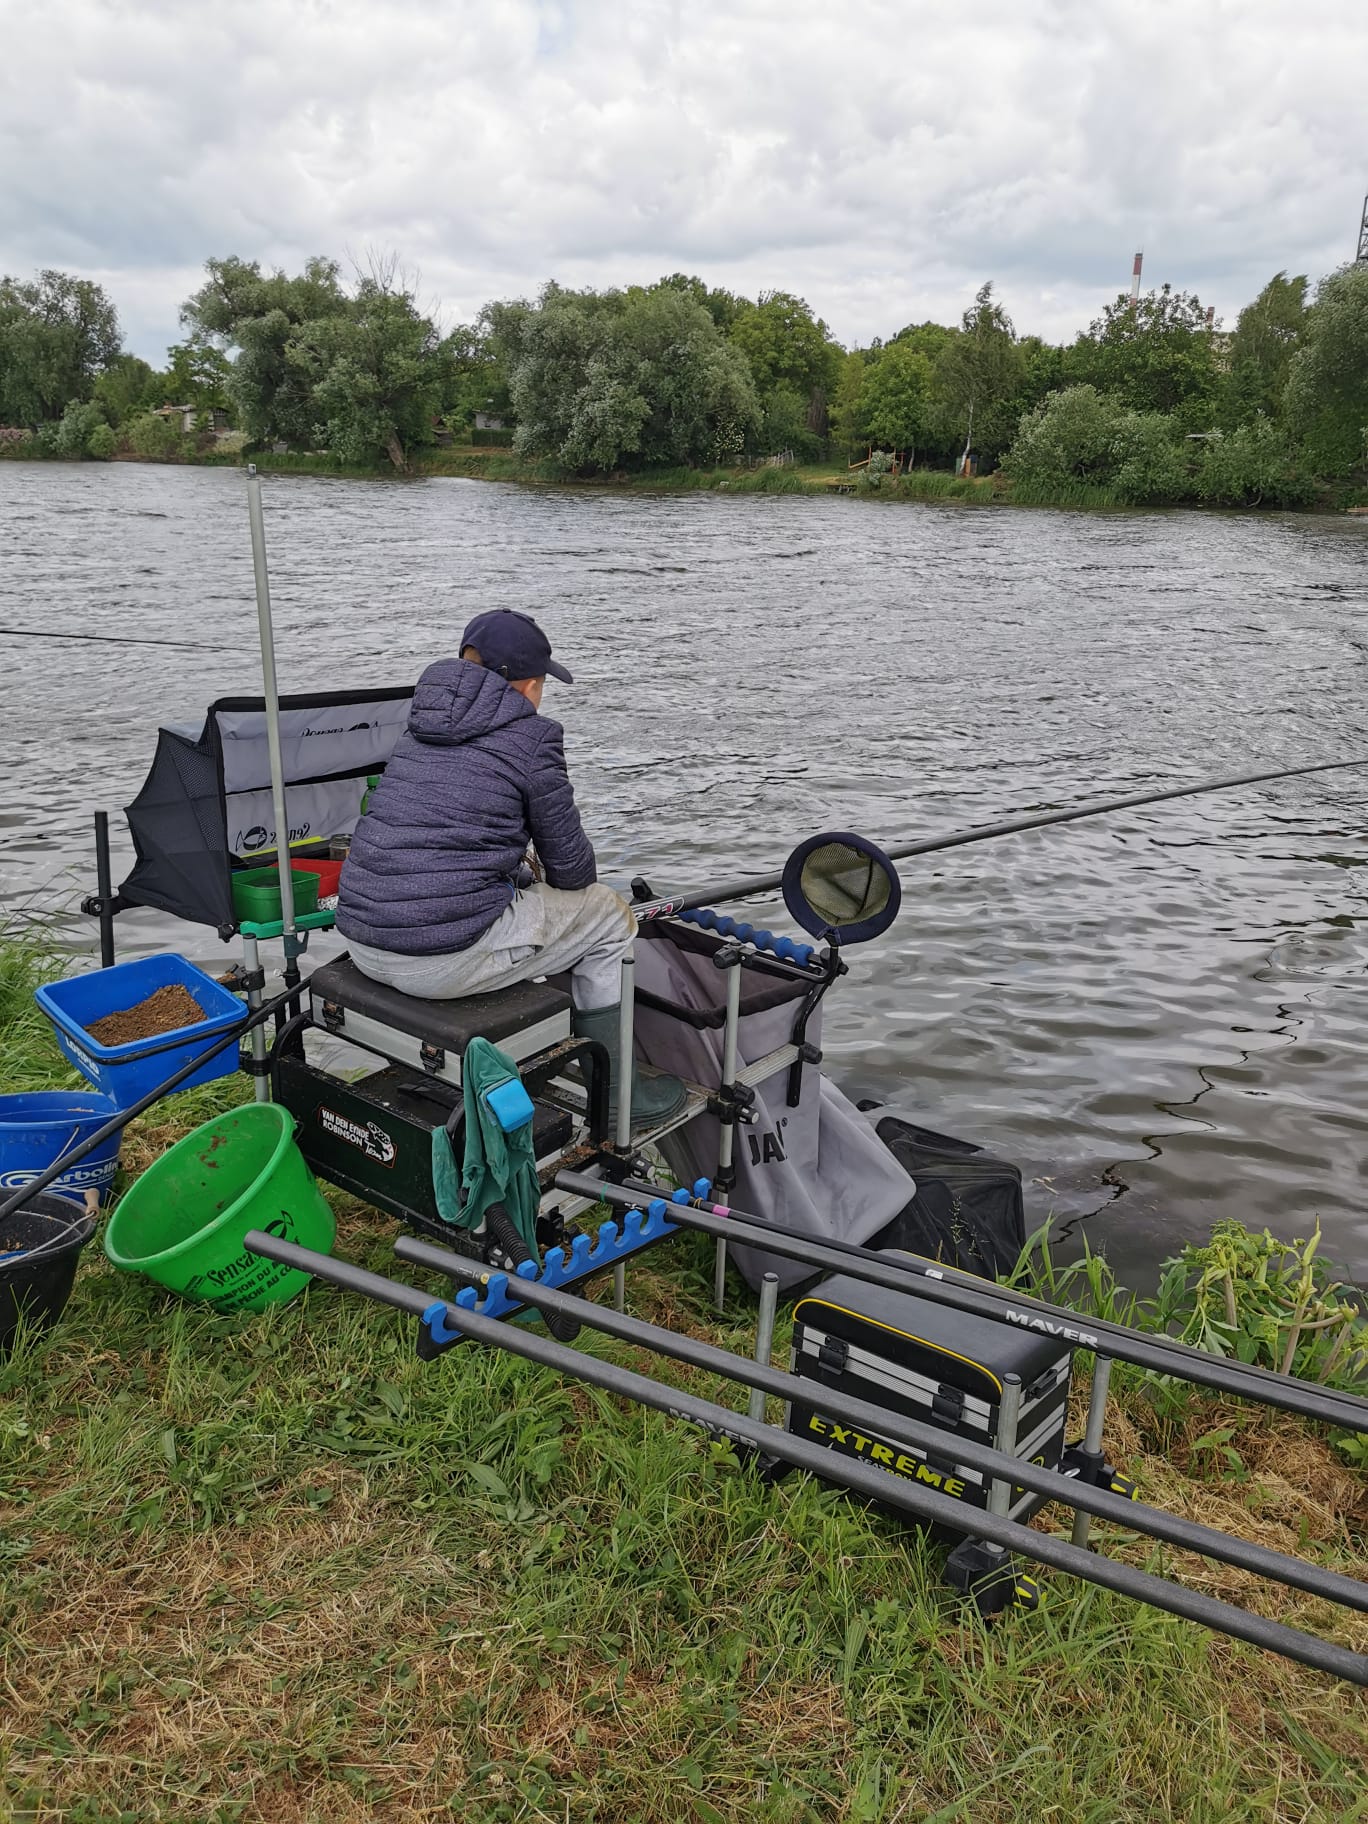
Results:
[967, 1209]
[930, 1362]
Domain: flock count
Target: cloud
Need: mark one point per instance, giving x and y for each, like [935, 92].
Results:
[879, 158]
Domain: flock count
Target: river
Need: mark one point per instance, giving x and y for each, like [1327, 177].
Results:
[1162, 1016]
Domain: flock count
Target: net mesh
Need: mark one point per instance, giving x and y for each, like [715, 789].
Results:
[842, 885]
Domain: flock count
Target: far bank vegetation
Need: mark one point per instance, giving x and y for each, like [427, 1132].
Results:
[1155, 403]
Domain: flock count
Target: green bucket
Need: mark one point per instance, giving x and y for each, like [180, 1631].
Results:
[183, 1222]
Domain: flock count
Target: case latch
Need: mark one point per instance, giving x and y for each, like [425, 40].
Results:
[948, 1403]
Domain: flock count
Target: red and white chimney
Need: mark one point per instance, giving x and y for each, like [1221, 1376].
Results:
[1135, 277]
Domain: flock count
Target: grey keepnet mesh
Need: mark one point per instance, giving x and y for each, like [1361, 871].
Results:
[818, 1168]
[207, 797]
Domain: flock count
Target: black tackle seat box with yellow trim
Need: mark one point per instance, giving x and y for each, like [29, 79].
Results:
[431, 1036]
[930, 1362]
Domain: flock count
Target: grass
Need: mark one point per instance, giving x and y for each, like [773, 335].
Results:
[274, 1568]
[480, 463]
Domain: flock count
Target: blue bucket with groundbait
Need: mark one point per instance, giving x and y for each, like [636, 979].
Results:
[38, 1129]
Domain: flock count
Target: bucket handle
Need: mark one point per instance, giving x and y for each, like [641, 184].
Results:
[53, 1241]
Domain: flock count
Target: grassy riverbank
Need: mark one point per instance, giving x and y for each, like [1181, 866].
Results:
[276, 1569]
[480, 464]
[812, 479]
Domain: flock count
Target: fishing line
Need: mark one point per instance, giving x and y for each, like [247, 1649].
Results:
[109, 639]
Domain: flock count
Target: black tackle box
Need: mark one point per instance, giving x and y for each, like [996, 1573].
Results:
[930, 1362]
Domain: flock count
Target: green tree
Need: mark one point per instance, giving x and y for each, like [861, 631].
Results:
[929, 339]
[259, 314]
[724, 307]
[1079, 435]
[479, 378]
[127, 387]
[1268, 333]
[57, 333]
[1043, 372]
[1067, 438]
[1327, 381]
[156, 439]
[786, 425]
[894, 404]
[379, 372]
[1256, 465]
[103, 443]
[843, 414]
[789, 350]
[600, 379]
[978, 375]
[1155, 356]
[79, 423]
[1149, 467]
[200, 375]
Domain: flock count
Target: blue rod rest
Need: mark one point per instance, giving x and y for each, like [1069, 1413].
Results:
[783, 947]
[586, 1255]
[434, 1321]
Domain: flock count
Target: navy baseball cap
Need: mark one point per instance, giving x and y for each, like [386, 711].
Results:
[513, 645]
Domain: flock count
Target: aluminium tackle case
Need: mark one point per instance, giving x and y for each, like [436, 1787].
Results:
[932, 1363]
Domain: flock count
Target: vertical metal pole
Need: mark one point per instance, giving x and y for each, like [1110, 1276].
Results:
[1009, 1417]
[620, 1284]
[626, 1047]
[104, 886]
[764, 1340]
[272, 696]
[726, 1142]
[1092, 1435]
[251, 962]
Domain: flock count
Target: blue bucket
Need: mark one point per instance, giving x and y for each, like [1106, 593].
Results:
[128, 1071]
[38, 1129]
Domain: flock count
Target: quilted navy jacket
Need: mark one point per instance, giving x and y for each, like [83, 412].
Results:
[477, 777]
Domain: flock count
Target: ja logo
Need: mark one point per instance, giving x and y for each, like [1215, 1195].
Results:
[766, 1149]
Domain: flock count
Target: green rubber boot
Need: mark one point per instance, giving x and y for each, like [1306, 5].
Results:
[655, 1098]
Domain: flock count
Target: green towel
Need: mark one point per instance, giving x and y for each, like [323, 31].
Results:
[498, 1167]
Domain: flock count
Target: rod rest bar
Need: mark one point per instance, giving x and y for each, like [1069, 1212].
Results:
[785, 948]
[1056, 1485]
[924, 1504]
[986, 1298]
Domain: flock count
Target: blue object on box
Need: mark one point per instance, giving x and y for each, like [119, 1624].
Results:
[125, 1072]
[510, 1105]
[38, 1129]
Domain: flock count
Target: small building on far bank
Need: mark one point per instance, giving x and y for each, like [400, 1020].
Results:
[189, 415]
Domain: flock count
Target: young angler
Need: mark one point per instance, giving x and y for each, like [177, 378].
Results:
[437, 898]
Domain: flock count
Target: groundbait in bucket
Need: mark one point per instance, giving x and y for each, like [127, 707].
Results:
[183, 1222]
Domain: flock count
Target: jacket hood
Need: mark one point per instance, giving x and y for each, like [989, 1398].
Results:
[456, 701]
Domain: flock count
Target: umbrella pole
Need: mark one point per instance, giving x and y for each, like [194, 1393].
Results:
[272, 696]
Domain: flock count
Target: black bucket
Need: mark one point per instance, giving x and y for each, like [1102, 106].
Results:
[40, 1246]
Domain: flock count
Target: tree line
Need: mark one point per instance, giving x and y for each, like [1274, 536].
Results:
[1152, 403]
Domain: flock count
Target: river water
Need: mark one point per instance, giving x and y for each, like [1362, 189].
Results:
[1162, 1016]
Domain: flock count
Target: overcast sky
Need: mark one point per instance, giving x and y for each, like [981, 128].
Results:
[879, 157]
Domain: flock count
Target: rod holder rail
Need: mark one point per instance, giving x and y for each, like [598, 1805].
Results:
[923, 1504]
[985, 1298]
[899, 1428]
